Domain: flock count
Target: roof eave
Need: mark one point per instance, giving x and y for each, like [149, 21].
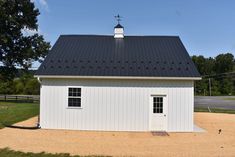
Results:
[117, 77]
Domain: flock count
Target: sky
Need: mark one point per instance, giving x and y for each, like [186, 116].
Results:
[206, 27]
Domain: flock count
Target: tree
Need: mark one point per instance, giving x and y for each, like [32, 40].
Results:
[25, 84]
[6, 87]
[212, 68]
[226, 86]
[16, 48]
[201, 87]
[224, 63]
[199, 62]
[215, 87]
[32, 87]
[18, 86]
[204, 65]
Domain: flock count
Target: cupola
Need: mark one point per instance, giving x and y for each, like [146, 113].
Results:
[118, 29]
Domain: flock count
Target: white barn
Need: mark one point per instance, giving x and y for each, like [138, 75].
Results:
[117, 83]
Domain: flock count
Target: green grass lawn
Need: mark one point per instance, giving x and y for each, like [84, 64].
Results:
[214, 110]
[12, 112]
[11, 153]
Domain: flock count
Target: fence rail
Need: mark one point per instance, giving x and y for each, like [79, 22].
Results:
[20, 98]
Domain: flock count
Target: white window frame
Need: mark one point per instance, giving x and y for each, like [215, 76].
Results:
[67, 104]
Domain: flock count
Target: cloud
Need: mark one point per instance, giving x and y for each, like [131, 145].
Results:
[42, 3]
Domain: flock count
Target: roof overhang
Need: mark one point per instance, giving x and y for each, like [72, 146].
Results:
[117, 77]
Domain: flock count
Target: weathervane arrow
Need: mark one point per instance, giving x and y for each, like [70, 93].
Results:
[118, 18]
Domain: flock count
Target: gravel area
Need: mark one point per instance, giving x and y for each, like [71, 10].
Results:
[209, 143]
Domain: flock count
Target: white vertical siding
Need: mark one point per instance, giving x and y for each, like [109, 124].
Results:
[115, 105]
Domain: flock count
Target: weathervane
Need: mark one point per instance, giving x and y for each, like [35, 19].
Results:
[118, 18]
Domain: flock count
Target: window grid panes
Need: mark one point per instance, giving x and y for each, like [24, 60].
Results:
[75, 92]
[157, 104]
[74, 97]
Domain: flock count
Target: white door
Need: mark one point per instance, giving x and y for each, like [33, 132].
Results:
[158, 113]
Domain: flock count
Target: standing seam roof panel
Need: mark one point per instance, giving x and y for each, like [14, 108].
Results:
[141, 56]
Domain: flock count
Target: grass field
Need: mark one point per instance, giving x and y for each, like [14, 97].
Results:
[214, 110]
[13, 112]
[11, 153]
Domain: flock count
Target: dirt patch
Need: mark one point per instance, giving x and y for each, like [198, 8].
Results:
[28, 123]
[210, 143]
[3, 107]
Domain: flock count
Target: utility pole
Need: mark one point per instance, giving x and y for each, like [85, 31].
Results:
[210, 86]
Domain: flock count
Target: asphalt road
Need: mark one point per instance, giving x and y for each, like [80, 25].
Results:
[214, 102]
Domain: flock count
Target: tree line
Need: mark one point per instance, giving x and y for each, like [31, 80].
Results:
[218, 74]
[25, 84]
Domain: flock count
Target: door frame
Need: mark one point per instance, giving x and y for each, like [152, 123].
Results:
[165, 103]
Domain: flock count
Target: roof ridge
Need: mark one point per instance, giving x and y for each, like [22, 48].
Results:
[92, 35]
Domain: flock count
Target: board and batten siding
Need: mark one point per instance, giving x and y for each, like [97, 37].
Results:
[115, 105]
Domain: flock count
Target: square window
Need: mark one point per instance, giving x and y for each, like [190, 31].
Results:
[154, 110]
[154, 105]
[154, 99]
[158, 99]
[158, 104]
[74, 99]
[74, 102]
[158, 110]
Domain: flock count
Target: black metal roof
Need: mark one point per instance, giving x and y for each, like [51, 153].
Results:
[97, 55]
[118, 26]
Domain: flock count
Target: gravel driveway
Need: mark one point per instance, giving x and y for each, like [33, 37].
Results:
[209, 143]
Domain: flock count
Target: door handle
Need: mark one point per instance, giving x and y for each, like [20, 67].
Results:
[164, 115]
